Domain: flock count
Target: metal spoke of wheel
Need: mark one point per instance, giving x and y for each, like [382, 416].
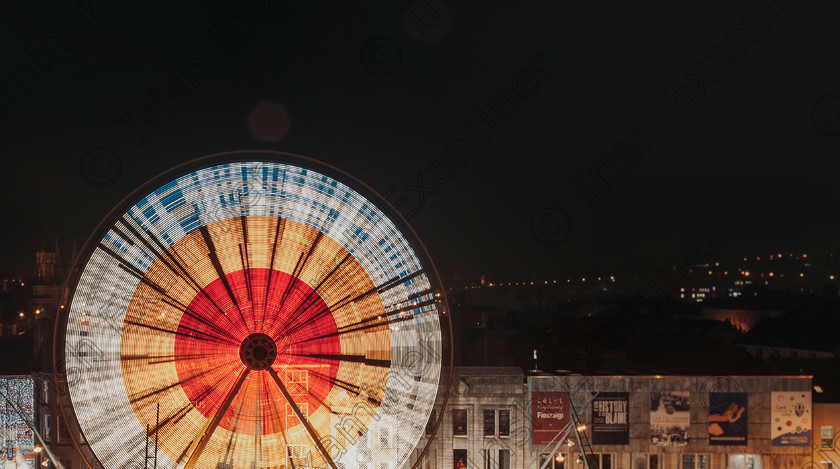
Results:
[210, 426]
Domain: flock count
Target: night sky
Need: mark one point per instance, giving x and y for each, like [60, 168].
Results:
[685, 117]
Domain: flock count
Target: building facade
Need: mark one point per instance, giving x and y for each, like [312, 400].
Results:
[499, 418]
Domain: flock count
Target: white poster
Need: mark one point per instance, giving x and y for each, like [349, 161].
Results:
[791, 418]
[670, 418]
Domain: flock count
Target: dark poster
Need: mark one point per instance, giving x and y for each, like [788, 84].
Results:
[610, 418]
[728, 418]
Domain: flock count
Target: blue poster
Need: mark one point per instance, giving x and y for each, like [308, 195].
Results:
[728, 418]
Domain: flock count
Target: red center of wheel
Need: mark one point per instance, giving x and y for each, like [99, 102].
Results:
[257, 321]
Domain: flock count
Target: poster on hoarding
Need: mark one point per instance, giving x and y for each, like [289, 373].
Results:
[549, 415]
[18, 439]
[670, 418]
[610, 418]
[728, 418]
[790, 418]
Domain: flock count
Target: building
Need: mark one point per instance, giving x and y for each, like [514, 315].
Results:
[499, 418]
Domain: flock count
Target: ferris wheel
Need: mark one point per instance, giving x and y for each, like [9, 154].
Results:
[252, 309]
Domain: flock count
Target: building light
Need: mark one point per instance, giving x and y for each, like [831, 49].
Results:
[818, 389]
[801, 274]
[831, 277]
[559, 457]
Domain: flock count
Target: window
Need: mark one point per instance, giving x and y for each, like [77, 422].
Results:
[459, 422]
[504, 422]
[297, 381]
[558, 461]
[61, 434]
[489, 423]
[383, 437]
[601, 461]
[459, 458]
[46, 430]
[497, 420]
[496, 459]
[504, 459]
[430, 425]
[429, 460]
[694, 461]
[744, 461]
[292, 418]
[647, 460]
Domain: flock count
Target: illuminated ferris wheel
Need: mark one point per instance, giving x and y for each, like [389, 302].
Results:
[251, 309]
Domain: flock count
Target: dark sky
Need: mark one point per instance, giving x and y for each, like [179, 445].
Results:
[744, 119]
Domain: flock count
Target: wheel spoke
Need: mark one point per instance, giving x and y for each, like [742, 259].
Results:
[206, 432]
